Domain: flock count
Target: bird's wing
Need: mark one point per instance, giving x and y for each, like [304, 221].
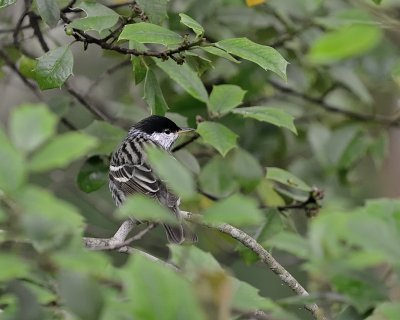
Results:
[135, 178]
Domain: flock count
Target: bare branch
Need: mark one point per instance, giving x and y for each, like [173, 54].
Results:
[264, 256]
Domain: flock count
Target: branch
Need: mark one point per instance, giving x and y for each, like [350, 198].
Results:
[383, 120]
[264, 256]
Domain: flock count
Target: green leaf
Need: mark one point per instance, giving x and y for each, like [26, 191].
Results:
[188, 160]
[139, 69]
[198, 63]
[377, 1]
[271, 115]
[185, 77]
[93, 174]
[286, 178]
[6, 3]
[12, 167]
[98, 17]
[48, 221]
[266, 57]
[245, 168]
[225, 97]
[172, 172]
[192, 24]
[237, 209]
[62, 150]
[144, 32]
[73, 286]
[31, 125]
[12, 267]
[109, 135]
[54, 68]
[216, 178]
[218, 136]
[340, 44]
[153, 94]
[220, 53]
[355, 151]
[27, 67]
[49, 11]
[292, 243]
[145, 279]
[146, 209]
[155, 10]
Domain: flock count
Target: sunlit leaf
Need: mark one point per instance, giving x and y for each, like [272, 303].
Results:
[185, 77]
[49, 11]
[27, 67]
[155, 10]
[275, 116]
[225, 97]
[153, 94]
[12, 168]
[149, 33]
[237, 209]
[54, 68]
[192, 24]
[346, 42]
[62, 150]
[31, 125]
[172, 172]
[218, 136]
[156, 280]
[146, 209]
[98, 17]
[266, 57]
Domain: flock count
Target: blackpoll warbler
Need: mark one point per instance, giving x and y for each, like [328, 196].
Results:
[131, 173]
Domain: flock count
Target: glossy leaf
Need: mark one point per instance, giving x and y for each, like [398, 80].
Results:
[218, 136]
[93, 174]
[98, 17]
[54, 68]
[225, 97]
[286, 178]
[31, 125]
[192, 24]
[266, 57]
[12, 167]
[49, 11]
[185, 77]
[340, 44]
[153, 94]
[155, 10]
[237, 210]
[61, 150]
[172, 172]
[143, 32]
[271, 115]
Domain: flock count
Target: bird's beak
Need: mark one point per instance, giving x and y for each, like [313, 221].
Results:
[185, 130]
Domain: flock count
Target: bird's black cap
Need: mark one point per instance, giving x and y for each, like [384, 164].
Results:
[155, 123]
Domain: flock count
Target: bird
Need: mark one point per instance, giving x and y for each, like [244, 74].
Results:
[131, 173]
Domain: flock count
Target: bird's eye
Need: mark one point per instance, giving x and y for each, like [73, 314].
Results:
[167, 131]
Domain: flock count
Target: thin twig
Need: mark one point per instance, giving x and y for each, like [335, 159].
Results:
[264, 256]
[387, 121]
[185, 143]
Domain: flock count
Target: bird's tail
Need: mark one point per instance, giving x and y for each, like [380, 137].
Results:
[180, 233]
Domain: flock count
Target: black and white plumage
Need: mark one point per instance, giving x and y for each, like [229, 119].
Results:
[131, 173]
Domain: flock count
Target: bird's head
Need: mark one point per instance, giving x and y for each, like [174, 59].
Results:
[161, 129]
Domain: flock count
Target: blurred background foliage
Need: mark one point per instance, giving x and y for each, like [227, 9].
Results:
[341, 88]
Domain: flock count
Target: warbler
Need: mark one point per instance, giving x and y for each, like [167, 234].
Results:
[130, 172]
